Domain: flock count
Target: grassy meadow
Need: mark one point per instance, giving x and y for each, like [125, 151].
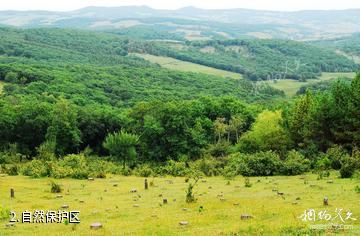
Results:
[174, 64]
[110, 202]
[290, 87]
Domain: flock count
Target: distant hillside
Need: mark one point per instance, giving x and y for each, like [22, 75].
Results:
[256, 59]
[203, 23]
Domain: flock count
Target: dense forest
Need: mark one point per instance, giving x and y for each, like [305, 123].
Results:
[78, 97]
[256, 59]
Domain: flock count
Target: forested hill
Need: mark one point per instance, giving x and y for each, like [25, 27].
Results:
[94, 68]
[257, 59]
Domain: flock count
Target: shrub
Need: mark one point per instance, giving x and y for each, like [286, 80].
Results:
[55, 188]
[175, 168]
[46, 151]
[349, 165]
[357, 189]
[220, 149]
[58, 172]
[12, 170]
[295, 164]
[35, 169]
[77, 164]
[258, 164]
[247, 182]
[143, 170]
[4, 213]
[208, 166]
[335, 154]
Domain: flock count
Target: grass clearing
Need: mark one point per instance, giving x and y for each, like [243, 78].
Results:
[113, 206]
[290, 87]
[174, 64]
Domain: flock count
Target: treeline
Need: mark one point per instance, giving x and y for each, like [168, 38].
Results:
[256, 59]
[315, 131]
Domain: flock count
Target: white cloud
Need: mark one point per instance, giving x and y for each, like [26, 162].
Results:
[65, 5]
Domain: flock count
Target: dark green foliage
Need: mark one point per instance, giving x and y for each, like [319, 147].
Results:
[349, 165]
[295, 164]
[55, 187]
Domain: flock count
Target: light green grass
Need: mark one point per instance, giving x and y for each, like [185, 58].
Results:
[174, 64]
[290, 87]
[113, 206]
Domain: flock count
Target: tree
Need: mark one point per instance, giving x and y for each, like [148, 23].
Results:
[122, 145]
[267, 133]
[63, 130]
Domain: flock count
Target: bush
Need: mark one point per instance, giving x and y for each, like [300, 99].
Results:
[335, 154]
[58, 172]
[55, 188]
[349, 165]
[295, 164]
[12, 170]
[220, 149]
[4, 213]
[175, 168]
[208, 166]
[77, 164]
[143, 170]
[35, 169]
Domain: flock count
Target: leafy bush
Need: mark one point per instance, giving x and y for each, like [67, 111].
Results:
[258, 164]
[209, 166]
[4, 213]
[12, 169]
[55, 188]
[335, 154]
[175, 168]
[143, 170]
[349, 165]
[77, 164]
[35, 169]
[295, 164]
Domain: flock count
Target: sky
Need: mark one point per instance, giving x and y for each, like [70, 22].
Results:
[280, 5]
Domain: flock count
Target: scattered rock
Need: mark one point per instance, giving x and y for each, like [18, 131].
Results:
[280, 193]
[298, 198]
[105, 190]
[204, 180]
[246, 217]
[222, 199]
[220, 195]
[274, 190]
[136, 205]
[2, 175]
[134, 190]
[160, 195]
[59, 196]
[65, 206]
[330, 181]
[165, 201]
[96, 226]
[209, 187]
[183, 223]
[115, 185]
[236, 204]
[185, 209]
[81, 201]
[295, 203]
[91, 179]
[154, 216]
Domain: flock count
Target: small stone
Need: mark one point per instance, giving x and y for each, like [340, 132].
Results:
[105, 190]
[274, 190]
[330, 181]
[136, 205]
[2, 175]
[59, 196]
[222, 199]
[91, 179]
[246, 217]
[294, 203]
[107, 209]
[209, 187]
[183, 223]
[185, 209]
[220, 195]
[96, 226]
[298, 198]
[160, 195]
[115, 185]
[65, 206]
[204, 180]
[154, 216]
[236, 204]
[81, 201]
[165, 201]
[134, 190]
[280, 193]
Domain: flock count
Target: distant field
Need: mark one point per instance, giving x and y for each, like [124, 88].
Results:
[175, 64]
[217, 211]
[290, 87]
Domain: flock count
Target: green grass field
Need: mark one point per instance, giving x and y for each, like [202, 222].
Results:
[174, 64]
[223, 205]
[290, 87]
